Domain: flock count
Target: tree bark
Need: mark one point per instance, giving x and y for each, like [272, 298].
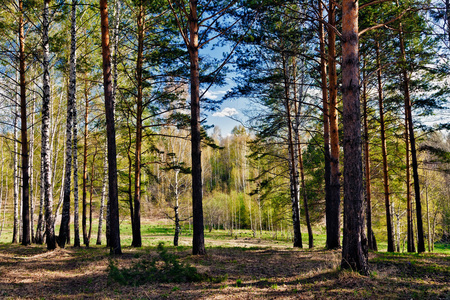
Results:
[102, 201]
[64, 229]
[16, 177]
[297, 108]
[371, 242]
[387, 202]
[325, 108]
[84, 193]
[293, 174]
[409, 217]
[354, 250]
[333, 205]
[115, 247]
[198, 239]
[137, 240]
[91, 192]
[415, 167]
[73, 88]
[24, 137]
[45, 152]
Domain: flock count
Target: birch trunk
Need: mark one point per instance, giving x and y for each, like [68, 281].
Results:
[33, 239]
[64, 229]
[15, 178]
[45, 152]
[73, 93]
[102, 201]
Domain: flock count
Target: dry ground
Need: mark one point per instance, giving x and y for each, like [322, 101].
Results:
[265, 272]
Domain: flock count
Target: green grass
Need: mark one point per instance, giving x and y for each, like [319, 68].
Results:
[152, 234]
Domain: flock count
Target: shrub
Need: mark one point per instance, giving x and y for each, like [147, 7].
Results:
[164, 268]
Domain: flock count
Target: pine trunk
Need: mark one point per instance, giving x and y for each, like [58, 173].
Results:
[412, 140]
[354, 250]
[24, 137]
[293, 174]
[387, 202]
[333, 205]
[84, 194]
[198, 239]
[409, 216]
[114, 241]
[137, 240]
[371, 242]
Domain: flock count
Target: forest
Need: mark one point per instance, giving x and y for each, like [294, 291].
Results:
[334, 180]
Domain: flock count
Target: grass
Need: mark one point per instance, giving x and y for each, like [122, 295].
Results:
[236, 267]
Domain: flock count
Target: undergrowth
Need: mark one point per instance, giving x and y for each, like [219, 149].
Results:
[165, 268]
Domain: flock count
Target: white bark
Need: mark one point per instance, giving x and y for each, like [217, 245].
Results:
[15, 177]
[45, 152]
[102, 201]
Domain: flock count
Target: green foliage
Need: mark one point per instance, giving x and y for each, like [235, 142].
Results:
[164, 268]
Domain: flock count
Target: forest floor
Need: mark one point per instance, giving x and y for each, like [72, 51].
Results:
[245, 268]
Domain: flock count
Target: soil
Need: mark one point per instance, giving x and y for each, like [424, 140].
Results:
[252, 269]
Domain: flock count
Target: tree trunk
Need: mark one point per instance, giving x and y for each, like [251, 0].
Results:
[16, 177]
[32, 205]
[91, 192]
[368, 194]
[137, 240]
[420, 235]
[333, 209]
[72, 93]
[115, 247]
[24, 138]
[64, 229]
[409, 216]
[325, 109]
[84, 195]
[41, 220]
[198, 239]
[102, 201]
[293, 174]
[354, 250]
[387, 202]
[177, 217]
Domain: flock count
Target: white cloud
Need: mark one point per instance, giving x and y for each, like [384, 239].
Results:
[226, 112]
[213, 95]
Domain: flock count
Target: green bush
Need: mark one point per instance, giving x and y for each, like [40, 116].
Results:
[164, 268]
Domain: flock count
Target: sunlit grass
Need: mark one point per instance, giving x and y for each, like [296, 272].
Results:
[153, 233]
